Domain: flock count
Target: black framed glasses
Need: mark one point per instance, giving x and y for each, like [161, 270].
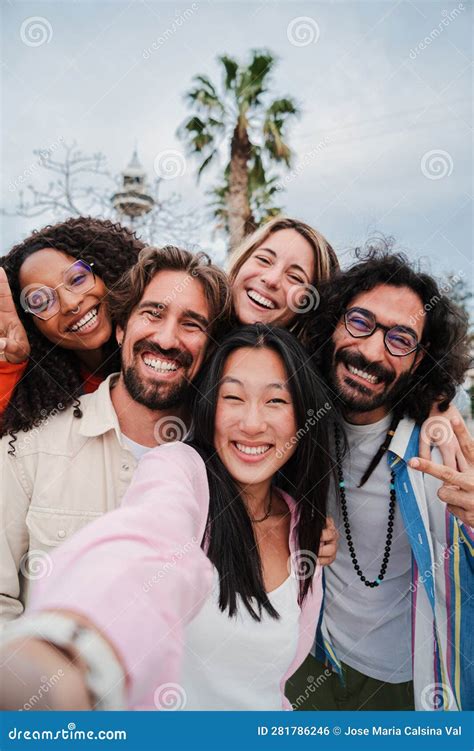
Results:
[43, 302]
[399, 340]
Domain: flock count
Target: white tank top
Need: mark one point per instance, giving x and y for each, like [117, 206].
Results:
[238, 663]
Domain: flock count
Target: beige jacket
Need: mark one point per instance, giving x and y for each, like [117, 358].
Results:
[65, 473]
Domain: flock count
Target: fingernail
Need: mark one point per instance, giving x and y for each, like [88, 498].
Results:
[414, 463]
[3, 344]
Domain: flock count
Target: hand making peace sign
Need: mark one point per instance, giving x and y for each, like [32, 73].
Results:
[14, 344]
[458, 487]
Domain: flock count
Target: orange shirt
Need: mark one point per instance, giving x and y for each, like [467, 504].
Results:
[10, 375]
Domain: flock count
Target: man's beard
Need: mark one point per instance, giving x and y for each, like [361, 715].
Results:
[157, 396]
[355, 397]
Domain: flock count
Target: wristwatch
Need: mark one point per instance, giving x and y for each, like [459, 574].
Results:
[104, 675]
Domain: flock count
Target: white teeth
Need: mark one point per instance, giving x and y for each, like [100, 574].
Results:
[89, 318]
[261, 300]
[252, 450]
[362, 374]
[161, 366]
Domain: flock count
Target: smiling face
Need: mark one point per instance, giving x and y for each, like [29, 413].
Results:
[89, 327]
[255, 417]
[364, 374]
[165, 340]
[271, 278]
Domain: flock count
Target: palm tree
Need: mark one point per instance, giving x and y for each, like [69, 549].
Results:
[243, 113]
[261, 199]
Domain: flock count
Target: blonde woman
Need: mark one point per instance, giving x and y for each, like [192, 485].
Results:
[275, 273]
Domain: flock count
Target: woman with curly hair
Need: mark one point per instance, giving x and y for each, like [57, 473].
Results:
[56, 336]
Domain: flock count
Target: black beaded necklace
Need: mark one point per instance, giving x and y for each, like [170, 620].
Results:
[347, 528]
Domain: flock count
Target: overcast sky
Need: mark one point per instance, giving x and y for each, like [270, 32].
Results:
[384, 142]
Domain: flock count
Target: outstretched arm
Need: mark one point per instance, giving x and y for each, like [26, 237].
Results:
[138, 574]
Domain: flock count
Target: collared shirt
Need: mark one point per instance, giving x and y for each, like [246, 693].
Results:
[442, 585]
[64, 473]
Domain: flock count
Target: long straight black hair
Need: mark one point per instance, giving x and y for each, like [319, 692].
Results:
[229, 540]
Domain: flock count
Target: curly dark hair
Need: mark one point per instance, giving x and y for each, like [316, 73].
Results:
[444, 340]
[52, 376]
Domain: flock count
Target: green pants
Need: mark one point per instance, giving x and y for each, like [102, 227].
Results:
[315, 686]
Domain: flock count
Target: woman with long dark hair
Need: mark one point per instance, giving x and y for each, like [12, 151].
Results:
[56, 337]
[207, 576]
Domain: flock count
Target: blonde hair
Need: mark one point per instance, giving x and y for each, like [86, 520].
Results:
[325, 259]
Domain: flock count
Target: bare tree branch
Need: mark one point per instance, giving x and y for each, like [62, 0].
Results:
[82, 184]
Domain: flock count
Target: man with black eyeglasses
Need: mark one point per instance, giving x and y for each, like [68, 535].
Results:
[396, 630]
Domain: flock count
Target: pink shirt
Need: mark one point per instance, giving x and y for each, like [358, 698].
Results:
[140, 575]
